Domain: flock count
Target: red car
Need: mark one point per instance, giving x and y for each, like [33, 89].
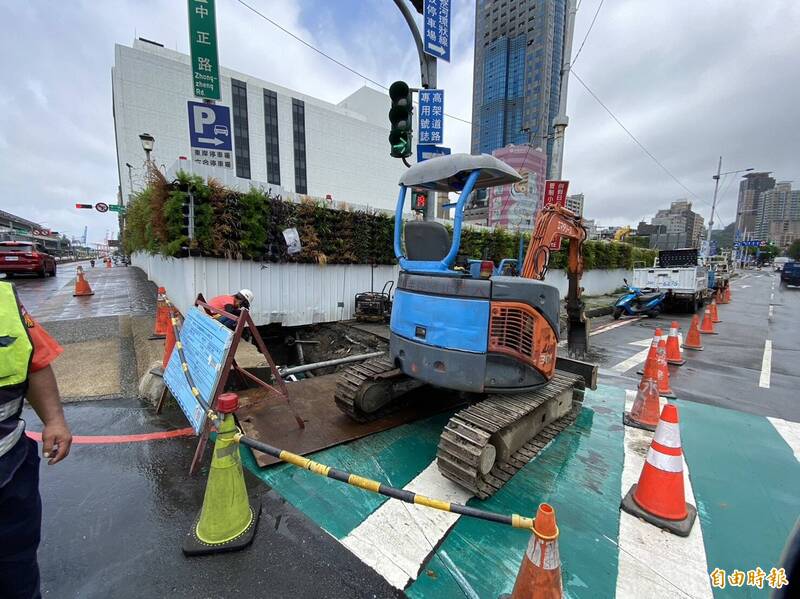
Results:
[23, 257]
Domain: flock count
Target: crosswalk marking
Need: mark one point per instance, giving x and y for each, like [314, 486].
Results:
[790, 431]
[653, 563]
[397, 538]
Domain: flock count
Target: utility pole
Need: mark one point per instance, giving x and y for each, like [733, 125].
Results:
[714, 202]
[427, 68]
[562, 120]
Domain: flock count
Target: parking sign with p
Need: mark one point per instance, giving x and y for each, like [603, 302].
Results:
[210, 126]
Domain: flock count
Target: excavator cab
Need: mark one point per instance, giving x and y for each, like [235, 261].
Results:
[458, 328]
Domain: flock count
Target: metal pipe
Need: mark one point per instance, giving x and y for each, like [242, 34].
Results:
[336, 362]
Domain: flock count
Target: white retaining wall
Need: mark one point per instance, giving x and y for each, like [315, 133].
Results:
[300, 294]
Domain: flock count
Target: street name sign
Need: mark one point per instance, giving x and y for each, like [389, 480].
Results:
[436, 28]
[750, 243]
[425, 152]
[116, 207]
[203, 43]
[431, 116]
[206, 343]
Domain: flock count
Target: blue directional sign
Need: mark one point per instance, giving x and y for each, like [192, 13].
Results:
[425, 152]
[431, 116]
[750, 243]
[436, 29]
[206, 344]
[210, 126]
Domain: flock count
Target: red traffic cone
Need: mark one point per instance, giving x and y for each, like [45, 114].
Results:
[663, 370]
[81, 284]
[728, 294]
[659, 496]
[692, 340]
[162, 316]
[539, 574]
[714, 315]
[707, 326]
[674, 356]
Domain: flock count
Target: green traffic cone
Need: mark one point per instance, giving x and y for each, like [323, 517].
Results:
[227, 520]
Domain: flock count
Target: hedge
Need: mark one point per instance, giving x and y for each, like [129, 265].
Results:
[234, 225]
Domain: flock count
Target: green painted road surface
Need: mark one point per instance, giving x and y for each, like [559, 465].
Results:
[745, 477]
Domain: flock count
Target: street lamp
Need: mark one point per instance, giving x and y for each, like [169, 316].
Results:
[716, 189]
[147, 144]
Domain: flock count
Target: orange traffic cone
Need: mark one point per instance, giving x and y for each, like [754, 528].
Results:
[108, 263]
[723, 296]
[540, 572]
[692, 340]
[651, 355]
[162, 316]
[644, 413]
[81, 284]
[674, 356]
[714, 315]
[659, 497]
[728, 294]
[707, 326]
[663, 370]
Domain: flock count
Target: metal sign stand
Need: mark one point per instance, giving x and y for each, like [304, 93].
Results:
[276, 391]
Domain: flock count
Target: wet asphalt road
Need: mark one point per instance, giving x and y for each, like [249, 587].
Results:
[727, 373]
[115, 515]
[35, 292]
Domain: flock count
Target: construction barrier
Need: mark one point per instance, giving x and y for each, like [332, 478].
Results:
[162, 316]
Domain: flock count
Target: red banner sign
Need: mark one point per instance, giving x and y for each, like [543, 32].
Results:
[555, 192]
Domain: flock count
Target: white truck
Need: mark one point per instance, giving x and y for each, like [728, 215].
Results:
[681, 275]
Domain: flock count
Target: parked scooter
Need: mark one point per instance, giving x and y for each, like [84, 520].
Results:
[636, 302]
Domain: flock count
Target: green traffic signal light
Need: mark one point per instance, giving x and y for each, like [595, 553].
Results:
[400, 115]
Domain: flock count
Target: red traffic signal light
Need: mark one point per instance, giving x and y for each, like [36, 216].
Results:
[419, 199]
[88, 206]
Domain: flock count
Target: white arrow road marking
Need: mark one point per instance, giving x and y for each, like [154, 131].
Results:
[770, 310]
[397, 538]
[766, 365]
[653, 563]
[631, 362]
[790, 431]
[606, 328]
[746, 286]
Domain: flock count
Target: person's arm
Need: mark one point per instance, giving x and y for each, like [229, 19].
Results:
[44, 397]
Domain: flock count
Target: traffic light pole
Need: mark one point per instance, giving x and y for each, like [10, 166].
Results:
[427, 68]
[561, 121]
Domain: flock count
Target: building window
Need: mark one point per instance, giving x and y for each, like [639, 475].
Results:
[241, 135]
[299, 131]
[271, 137]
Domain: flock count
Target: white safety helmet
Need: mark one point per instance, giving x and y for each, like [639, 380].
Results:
[247, 295]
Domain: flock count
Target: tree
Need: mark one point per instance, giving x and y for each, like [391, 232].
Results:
[723, 237]
[794, 250]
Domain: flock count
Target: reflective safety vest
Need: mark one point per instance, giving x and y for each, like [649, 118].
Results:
[16, 352]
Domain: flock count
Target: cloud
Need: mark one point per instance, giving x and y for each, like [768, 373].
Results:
[692, 80]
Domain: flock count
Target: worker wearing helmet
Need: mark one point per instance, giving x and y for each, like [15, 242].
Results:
[232, 304]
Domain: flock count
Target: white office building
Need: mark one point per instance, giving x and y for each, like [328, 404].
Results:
[281, 139]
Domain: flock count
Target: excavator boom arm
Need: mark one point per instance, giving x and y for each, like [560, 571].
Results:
[553, 223]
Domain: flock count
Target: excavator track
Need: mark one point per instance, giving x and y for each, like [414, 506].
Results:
[374, 378]
[472, 452]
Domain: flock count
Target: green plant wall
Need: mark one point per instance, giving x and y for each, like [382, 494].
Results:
[250, 225]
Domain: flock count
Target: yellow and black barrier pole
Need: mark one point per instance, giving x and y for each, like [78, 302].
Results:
[374, 486]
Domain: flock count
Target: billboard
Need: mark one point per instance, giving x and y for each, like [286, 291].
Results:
[515, 206]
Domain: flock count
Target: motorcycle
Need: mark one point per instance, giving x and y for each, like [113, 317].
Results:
[636, 302]
[92, 263]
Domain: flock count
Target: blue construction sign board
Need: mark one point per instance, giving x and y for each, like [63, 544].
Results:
[436, 28]
[431, 116]
[206, 344]
[425, 152]
[210, 126]
[750, 243]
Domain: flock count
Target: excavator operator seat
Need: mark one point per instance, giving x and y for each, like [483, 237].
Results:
[426, 240]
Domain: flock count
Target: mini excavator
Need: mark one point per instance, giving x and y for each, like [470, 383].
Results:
[494, 337]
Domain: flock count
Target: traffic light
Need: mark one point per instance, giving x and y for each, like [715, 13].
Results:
[419, 200]
[85, 206]
[400, 119]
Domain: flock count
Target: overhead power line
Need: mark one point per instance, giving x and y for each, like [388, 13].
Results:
[328, 56]
[585, 37]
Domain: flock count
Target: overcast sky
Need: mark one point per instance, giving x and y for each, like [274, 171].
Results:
[691, 80]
